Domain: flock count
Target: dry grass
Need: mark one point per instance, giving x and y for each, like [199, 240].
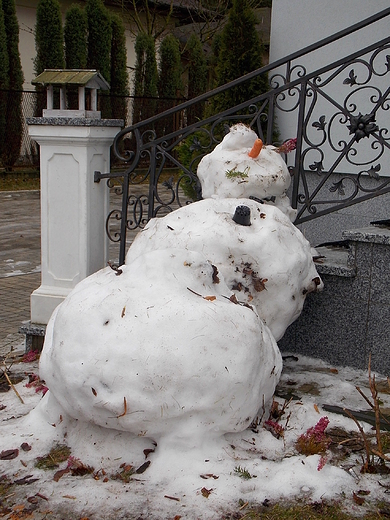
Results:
[314, 511]
[20, 180]
[59, 453]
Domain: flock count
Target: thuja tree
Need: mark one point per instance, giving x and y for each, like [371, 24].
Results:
[14, 130]
[197, 77]
[239, 52]
[75, 40]
[169, 79]
[48, 44]
[99, 46]
[75, 37]
[119, 76]
[4, 68]
[48, 36]
[145, 78]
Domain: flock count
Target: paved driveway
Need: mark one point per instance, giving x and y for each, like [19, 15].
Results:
[20, 233]
[20, 257]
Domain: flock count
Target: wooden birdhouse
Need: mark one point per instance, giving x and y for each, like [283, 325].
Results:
[87, 81]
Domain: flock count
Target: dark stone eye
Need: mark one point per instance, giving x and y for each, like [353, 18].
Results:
[242, 216]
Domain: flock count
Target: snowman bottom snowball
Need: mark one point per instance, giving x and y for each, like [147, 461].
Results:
[160, 349]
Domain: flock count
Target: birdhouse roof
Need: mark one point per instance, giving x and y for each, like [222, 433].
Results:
[80, 77]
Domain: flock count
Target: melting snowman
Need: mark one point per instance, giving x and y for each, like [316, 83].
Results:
[178, 347]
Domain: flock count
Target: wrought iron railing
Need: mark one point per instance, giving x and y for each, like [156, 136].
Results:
[340, 116]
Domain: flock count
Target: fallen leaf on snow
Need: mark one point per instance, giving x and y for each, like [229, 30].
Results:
[25, 480]
[209, 475]
[206, 492]
[60, 473]
[143, 467]
[359, 500]
[9, 454]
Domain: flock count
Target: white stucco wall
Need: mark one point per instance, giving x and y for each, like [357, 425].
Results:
[26, 13]
[296, 24]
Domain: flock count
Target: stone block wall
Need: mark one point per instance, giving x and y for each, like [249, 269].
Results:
[350, 319]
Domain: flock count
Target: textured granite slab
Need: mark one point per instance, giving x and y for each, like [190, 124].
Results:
[350, 319]
[334, 261]
[73, 121]
[373, 234]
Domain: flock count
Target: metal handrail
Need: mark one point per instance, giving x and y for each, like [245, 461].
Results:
[340, 174]
[263, 70]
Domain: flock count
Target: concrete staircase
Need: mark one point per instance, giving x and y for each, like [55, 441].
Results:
[351, 317]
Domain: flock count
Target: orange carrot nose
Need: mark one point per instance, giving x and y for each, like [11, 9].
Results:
[256, 149]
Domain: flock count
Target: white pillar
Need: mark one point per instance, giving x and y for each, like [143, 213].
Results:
[63, 98]
[81, 98]
[49, 97]
[93, 99]
[73, 208]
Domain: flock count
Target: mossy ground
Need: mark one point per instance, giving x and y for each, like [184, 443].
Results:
[19, 179]
[312, 511]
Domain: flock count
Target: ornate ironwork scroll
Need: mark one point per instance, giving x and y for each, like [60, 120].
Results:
[339, 115]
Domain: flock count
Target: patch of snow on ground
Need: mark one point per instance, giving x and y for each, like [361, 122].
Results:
[202, 482]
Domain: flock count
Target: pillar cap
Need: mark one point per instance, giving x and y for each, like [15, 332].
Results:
[88, 78]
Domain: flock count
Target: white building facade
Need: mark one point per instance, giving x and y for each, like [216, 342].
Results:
[296, 24]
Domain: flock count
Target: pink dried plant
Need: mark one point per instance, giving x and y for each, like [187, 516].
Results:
[34, 381]
[322, 462]
[275, 428]
[30, 356]
[288, 146]
[315, 440]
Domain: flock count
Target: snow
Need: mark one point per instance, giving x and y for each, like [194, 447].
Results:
[228, 171]
[164, 338]
[271, 249]
[168, 365]
[17, 268]
[277, 470]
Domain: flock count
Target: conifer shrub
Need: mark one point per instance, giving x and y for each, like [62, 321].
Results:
[197, 77]
[99, 46]
[14, 119]
[75, 37]
[169, 80]
[75, 40]
[190, 152]
[48, 44]
[145, 78]
[4, 68]
[239, 52]
[119, 75]
[49, 36]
